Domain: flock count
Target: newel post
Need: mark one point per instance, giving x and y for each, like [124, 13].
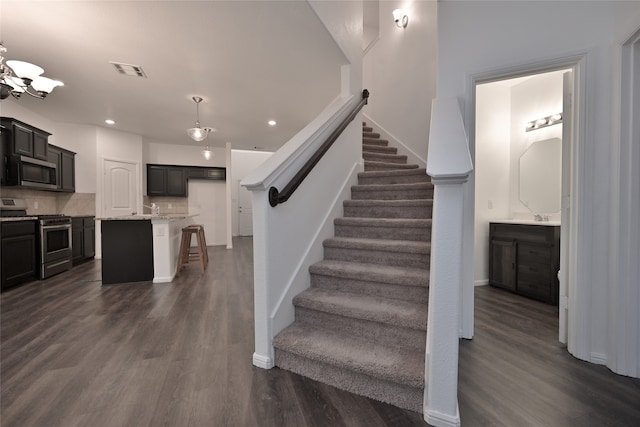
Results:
[449, 165]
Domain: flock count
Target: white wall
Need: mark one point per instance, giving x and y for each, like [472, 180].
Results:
[400, 72]
[476, 37]
[492, 168]
[243, 162]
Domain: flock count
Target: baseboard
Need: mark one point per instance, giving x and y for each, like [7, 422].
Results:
[438, 419]
[482, 282]
[165, 279]
[263, 362]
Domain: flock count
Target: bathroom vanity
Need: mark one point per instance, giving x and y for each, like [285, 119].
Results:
[524, 257]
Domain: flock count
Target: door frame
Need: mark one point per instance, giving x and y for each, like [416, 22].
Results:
[577, 325]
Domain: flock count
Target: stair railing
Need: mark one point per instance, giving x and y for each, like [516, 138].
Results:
[275, 196]
[449, 165]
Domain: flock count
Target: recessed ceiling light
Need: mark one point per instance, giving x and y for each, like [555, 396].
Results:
[110, 122]
[272, 122]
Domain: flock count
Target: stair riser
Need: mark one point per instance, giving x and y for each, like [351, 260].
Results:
[388, 158]
[402, 396]
[381, 333]
[381, 166]
[417, 212]
[370, 148]
[377, 256]
[421, 234]
[366, 194]
[401, 179]
[375, 141]
[388, 290]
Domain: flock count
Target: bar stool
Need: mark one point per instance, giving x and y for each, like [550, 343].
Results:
[186, 252]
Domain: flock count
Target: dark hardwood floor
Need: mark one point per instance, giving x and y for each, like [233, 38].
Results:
[75, 353]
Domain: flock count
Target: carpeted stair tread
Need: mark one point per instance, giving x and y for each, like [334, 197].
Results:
[376, 165]
[400, 246]
[366, 128]
[372, 135]
[390, 203]
[374, 148]
[372, 272]
[375, 141]
[394, 176]
[404, 314]
[396, 364]
[386, 158]
[384, 222]
[393, 187]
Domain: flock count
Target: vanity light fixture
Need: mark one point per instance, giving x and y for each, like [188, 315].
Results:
[553, 119]
[198, 133]
[18, 77]
[401, 19]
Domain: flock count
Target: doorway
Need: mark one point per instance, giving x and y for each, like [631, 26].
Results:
[513, 128]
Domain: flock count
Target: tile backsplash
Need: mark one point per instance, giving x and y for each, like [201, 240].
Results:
[168, 205]
[50, 202]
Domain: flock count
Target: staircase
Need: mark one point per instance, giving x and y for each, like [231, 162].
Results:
[361, 326]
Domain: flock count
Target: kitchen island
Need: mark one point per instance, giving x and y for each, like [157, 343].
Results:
[141, 248]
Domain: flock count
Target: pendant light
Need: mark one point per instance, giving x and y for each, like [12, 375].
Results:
[198, 133]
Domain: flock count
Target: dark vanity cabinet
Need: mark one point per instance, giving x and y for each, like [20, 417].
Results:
[525, 259]
[26, 140]
[65, 168]
[83, 235]
[18, 252]
[171, 180]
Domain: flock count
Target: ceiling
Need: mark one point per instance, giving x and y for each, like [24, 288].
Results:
[251, 61]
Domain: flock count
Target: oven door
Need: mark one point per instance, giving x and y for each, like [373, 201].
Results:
[55, 249]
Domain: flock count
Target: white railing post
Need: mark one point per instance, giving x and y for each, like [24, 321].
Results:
[449, 165]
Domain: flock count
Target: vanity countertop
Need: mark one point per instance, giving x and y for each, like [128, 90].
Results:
[526, 222]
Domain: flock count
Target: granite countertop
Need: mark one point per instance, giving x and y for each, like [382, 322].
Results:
[526, 222]
[145, 217]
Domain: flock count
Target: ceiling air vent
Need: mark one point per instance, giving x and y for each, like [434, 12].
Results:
[129, 69]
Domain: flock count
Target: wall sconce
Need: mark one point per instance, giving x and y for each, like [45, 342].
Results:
[401, 19]
[551, 120]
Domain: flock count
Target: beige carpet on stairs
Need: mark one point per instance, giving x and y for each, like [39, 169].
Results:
[361, 326]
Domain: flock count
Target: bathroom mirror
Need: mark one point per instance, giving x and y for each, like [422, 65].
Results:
[541, 176]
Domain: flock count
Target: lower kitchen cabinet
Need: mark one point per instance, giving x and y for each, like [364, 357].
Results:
[83, 235]
[525, 259]
[19, 260]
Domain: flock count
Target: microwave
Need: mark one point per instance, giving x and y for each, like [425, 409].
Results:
[29, 172]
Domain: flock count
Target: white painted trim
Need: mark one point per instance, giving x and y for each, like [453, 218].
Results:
[413, 157]
[481, 282]
[264, 362]
[229, 191]
[579, 246]
[438, 419]
[598, 358]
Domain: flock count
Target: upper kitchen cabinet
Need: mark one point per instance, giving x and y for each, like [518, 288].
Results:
[25, 140]
[165, 180]
[171, 180]
[65, 162]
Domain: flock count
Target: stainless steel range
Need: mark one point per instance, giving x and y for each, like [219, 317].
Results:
[54, 237]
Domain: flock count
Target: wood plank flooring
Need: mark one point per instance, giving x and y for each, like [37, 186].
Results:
[75, 353]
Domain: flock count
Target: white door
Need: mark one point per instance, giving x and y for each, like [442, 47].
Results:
[565, 217]
[245, 210]
[207, 200]
[120, 188]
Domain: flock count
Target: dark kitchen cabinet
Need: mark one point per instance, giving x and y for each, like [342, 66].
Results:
[19, 260]
[83, 235]
[66, 168]
[163, 180]
[525, 259]
[171, 180]
[26, 140]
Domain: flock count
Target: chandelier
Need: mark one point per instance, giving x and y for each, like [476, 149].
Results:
[198, 133]
[18, 77]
